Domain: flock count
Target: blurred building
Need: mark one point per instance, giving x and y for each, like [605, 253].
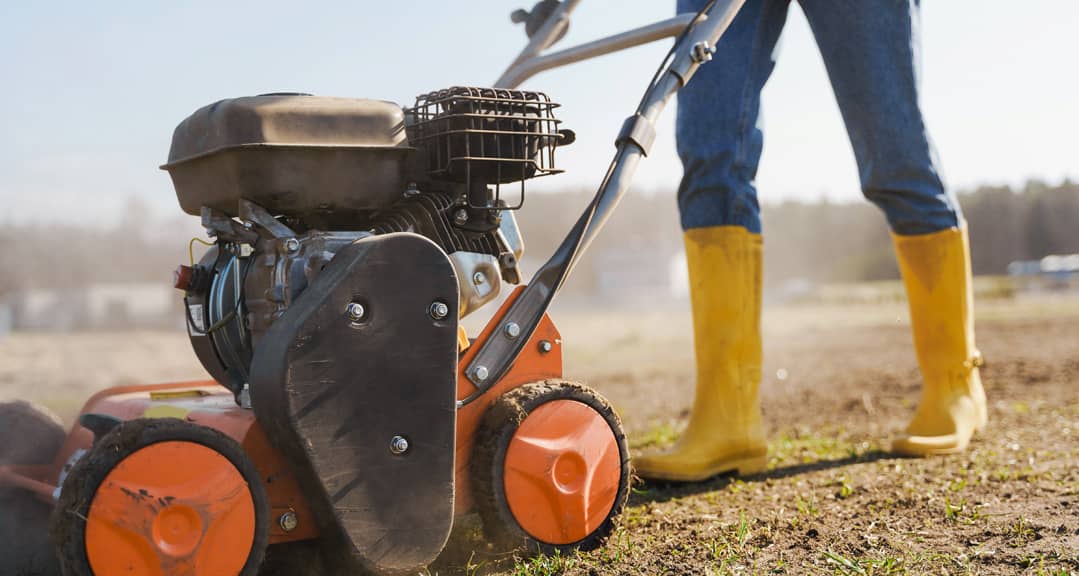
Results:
[1053, 271]
[643, 274]
[5, 319]
[97, 307]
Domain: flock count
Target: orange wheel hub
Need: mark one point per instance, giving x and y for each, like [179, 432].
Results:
[173, 507]
[562, 472]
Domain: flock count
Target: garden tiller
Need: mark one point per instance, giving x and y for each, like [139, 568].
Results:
[350, 418]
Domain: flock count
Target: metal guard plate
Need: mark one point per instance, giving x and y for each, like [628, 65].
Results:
[332, 393]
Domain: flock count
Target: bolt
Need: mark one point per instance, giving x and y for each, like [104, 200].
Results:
[460, 217]
[355, 311]
[439, 310]
[512, 330]
[702, 52]
[398, 445]
[478, 278]
[480, 373]
[292, 244]
[545, 346]
[288, 521]
[411, 190]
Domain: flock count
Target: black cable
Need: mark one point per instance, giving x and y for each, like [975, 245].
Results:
[232, 314]
[670, 53]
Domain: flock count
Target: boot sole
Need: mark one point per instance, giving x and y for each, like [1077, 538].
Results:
[740, 467]
[907, 447]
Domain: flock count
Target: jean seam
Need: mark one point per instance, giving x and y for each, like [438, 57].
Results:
[748, 84]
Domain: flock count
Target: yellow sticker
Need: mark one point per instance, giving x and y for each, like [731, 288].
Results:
[166, 411]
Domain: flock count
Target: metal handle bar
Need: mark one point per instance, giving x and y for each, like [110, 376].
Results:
[529, 64]
[499, 351]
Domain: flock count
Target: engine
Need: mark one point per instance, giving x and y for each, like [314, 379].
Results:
[283, 181]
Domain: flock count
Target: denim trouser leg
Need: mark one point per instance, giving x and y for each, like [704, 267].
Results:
[719, 140]
[870, 50]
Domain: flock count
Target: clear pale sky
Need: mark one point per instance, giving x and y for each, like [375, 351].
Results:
[90, 91]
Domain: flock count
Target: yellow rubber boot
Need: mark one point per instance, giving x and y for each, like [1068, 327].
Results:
[936, 272]
[724, 432]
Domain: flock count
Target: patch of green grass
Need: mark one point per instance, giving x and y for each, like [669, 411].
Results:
[846, 489]
[658, 436]
[886, 566]
[473, 568]
[793, 447]
[951, 511]
[1051, 564]
[554, 565]
[1020, 532]
[808, 507]
[619, 548]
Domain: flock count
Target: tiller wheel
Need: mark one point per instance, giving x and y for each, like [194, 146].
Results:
[161, 497]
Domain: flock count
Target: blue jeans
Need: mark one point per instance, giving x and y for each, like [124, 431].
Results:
[870, 49]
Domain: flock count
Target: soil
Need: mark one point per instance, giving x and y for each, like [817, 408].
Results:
[839, 382]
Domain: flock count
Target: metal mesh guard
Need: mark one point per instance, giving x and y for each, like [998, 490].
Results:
[485, 135]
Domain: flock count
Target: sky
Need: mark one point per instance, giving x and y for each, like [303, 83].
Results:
[91, 91]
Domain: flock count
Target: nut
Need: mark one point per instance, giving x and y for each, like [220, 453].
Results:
[439, 310]
[398, 445]
[355, 311]
[288, 521]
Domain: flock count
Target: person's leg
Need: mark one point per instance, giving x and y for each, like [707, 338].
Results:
[870, 48]
[719, 142]
[718, 130]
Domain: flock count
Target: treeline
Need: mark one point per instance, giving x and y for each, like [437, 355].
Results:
[826, 242]
[141, 248]
[820, 241]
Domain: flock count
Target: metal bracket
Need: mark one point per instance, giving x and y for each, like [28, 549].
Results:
[220, 225]
[639, 130]
[252, 212]
[698, 48]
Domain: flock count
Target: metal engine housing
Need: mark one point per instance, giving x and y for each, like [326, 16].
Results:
[285, 181]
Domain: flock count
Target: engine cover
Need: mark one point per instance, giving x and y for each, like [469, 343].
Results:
[294, 154]
[364, 406]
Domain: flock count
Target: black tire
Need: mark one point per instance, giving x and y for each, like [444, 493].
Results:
[68, 520]
[489, 454]
[29, 434]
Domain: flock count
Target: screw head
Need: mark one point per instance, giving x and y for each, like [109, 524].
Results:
[512, 330]
[439, 310]
[355, 311]
[545, 346]
[292, 244]
[478, 278]
[480, 373]
[398, 445]
[702, 52]
[288, 521]
[460, 217]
